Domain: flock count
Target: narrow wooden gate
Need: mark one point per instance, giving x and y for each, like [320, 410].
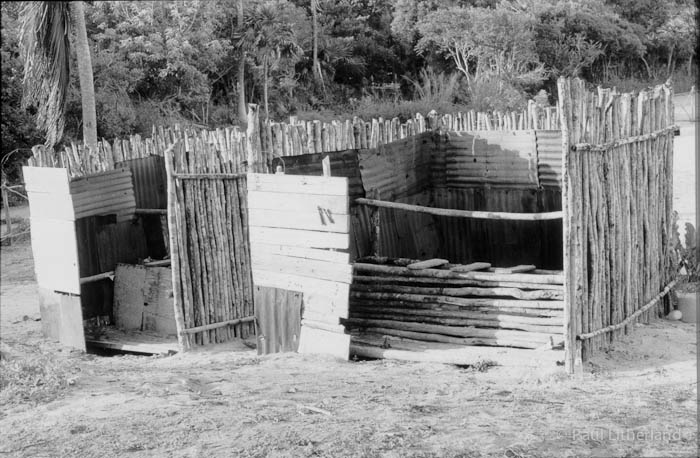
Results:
[299, 235]
[207, 221]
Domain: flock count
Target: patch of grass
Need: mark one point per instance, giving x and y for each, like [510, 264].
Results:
[32, 379]
[483, 365]
[20, 231]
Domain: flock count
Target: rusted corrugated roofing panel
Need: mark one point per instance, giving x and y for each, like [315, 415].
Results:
[149, 181]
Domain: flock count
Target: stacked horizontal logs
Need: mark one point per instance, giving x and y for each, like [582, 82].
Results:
[451, 304]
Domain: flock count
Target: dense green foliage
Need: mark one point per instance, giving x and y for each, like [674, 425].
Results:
[163, 62]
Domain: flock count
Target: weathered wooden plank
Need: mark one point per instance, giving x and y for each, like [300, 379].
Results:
[46, 179]
[319, 303]
[471, 267]
[320, 341]
[335, 290]
[71, 333]
[318, 220]
[302, 184]
[55, 254]
[297, 202]
[303, 267]
[50, 206]
[301, 252]
[370, 346]
[514, 269]
[428, 264]
[299, 238]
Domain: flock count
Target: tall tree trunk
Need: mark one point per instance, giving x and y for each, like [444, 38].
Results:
[265, 70]
[690, 65]
[314, 24]
[240, 84]
[87, 85]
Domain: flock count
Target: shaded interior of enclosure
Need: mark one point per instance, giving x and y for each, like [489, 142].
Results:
[495, 171]
[515, 172]
[132, 308]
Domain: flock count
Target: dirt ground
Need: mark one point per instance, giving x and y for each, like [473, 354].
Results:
[639, 399]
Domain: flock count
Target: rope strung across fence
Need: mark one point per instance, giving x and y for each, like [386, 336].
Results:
[630, 318]
[461, 213]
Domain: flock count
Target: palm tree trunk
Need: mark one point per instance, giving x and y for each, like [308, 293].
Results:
[87, 85]
[241, 72]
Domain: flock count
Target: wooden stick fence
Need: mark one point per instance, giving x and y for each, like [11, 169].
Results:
[617, 199]
[254, 149]
[208, 225]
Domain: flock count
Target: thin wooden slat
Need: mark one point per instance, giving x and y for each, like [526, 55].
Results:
[302, 184]
[461, 213]
[336, 290]
[319, 220]
[46, 179]
[300, 238]
[296, 202]
[301, 252]
[303, 267]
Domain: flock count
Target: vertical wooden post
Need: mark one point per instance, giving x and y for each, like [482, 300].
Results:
[8, 218]
[572, 347]
[326, 163]
[253, 139]
[375, 222]
[173, 210]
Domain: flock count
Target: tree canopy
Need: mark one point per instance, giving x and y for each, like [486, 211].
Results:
[164, 62]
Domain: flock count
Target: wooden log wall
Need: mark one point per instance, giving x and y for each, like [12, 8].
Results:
[208, 228]
[617, 199]
[457, 304]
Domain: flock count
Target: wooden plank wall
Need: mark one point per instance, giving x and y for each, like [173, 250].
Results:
[617, 193]
[52, 219]
[55, 253]
[299, 238]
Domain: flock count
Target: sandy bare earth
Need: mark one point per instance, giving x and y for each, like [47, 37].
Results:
[637, 400]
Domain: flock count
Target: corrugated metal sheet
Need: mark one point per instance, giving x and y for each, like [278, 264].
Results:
[278, 316]
[507, 158]
[110, 192]
[501, 243]
[438, 150]
[101, 245]
[343, 164]
[401, 233]
[549, 157]
[397, 170]
[149, 180]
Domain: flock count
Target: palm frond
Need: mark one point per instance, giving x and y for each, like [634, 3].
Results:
[44, 42]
